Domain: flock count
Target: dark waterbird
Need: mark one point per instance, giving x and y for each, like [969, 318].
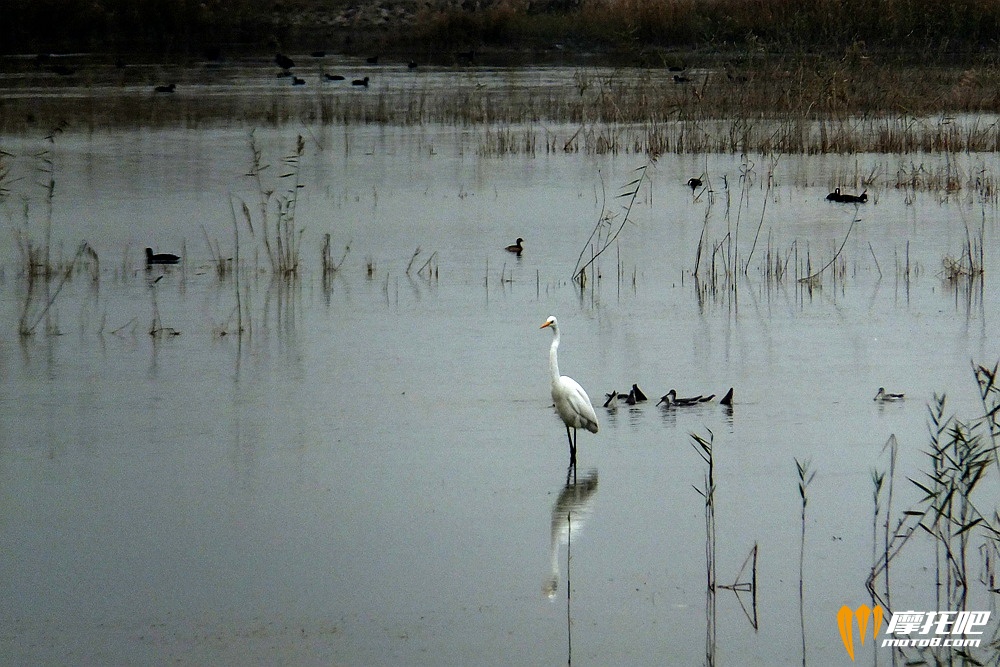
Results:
[681, 79]
[637, 394]
[360, 82]
[372, 60]
[412, 64]
[671, 399]
[728, 398]
[296, 81]
[166, 89]
[334, 77]
[845, 198]
[883, 395]
[160, 257]
[283, 61]
[517, 247]
[614, 397]
[694, 183]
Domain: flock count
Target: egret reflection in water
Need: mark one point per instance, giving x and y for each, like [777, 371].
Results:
[569, 514]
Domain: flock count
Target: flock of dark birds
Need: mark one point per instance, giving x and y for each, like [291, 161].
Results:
[835, 196]
[670, 399]
[286, 64]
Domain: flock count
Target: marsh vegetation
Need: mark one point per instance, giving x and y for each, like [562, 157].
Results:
[364, 434]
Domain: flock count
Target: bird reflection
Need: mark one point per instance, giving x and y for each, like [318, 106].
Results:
[570, 512]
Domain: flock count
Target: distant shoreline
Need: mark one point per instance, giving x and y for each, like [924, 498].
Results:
[702, 103]
[613, 32]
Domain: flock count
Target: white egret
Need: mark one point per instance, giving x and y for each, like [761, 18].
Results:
[571, 401]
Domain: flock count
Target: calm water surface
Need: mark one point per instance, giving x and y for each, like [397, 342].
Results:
[375, 475]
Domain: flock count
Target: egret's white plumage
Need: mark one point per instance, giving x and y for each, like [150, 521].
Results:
[571, 401]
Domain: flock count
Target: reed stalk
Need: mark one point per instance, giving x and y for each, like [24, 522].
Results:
[604, 234]
[805, 478]
[282, 244]
[960, 455]
[329, 266]
[704, 447]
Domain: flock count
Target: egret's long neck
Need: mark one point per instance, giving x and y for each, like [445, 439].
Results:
[554, 355]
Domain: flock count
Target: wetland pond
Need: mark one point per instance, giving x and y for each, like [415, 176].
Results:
[373, 472]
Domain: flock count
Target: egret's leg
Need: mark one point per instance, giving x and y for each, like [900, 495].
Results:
[572, 446]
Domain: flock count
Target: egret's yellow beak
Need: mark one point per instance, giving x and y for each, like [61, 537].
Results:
[547, 324]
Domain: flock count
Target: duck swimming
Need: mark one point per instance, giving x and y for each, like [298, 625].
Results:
[845, 198]
[160, 257]
[516, 247]
[671, 399]
[883, 395]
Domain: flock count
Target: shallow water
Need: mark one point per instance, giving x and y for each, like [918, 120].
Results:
[373, 473]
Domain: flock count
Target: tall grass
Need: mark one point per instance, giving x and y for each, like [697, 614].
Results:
[765, 103]
[609, 226]
[805, 479]
[45, 272]
[955, 512]
[278, 231]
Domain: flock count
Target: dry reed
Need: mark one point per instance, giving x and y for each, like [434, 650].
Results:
[762, 104]
[954, 512]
